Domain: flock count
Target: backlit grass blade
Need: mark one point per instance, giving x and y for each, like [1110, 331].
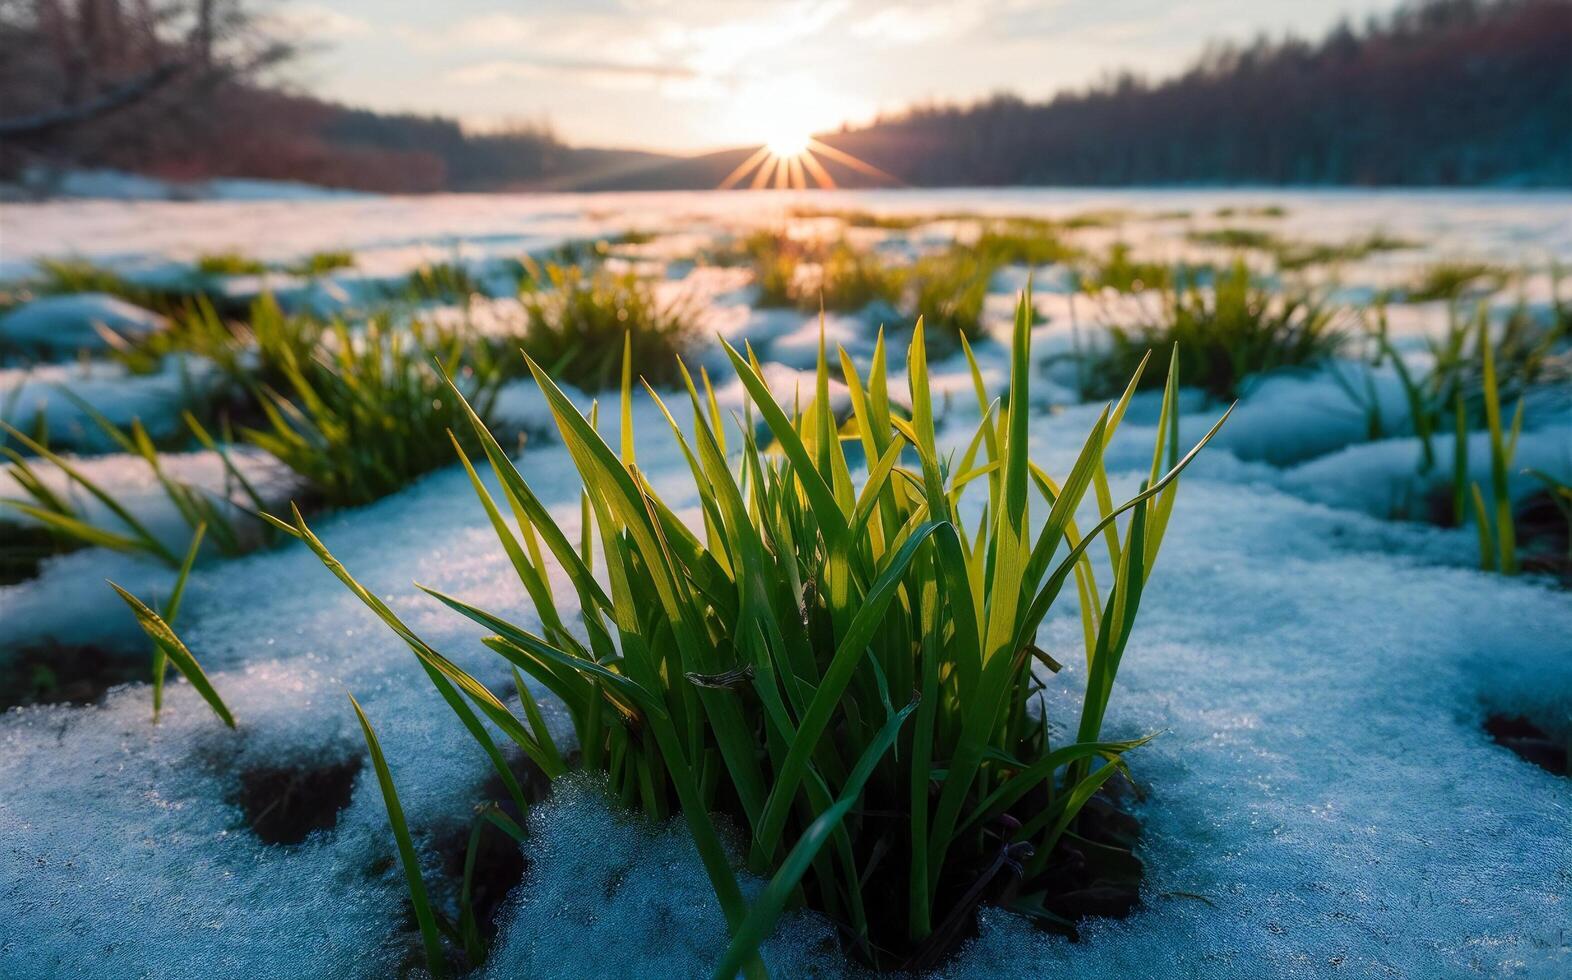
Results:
[160, 633]
[425, 917]
[170, 611]
[767, 908]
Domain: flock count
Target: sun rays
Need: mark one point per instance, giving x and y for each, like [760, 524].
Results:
[788, 162]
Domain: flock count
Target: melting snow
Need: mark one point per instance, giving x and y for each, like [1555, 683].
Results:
[1323, 800]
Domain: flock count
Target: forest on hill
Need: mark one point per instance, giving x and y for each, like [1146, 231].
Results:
[1442, 92]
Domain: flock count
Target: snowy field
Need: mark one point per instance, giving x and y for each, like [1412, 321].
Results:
[1323, 800]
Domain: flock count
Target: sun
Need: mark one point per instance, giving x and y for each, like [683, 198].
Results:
[788, 161]
[788, 142]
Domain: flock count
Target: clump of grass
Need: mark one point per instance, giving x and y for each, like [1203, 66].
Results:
[948, 291]
[367, 413]
[1267, 211]
[321, 263]
[1528, 352]
[1453, 280]
[1225, 334]
[1021, 241]
[248, 349]
[202, 511]
[578, 321]
[76, 275]
[1429, 398]
[867, 219]
[805, 273]
[846, 672]
[1252, 238]
[1096, 219]
[1118, 271]
[583, 252]
[1464, 390]
[848, 280]
[229, 264]
[1302, 255]
[440, 282]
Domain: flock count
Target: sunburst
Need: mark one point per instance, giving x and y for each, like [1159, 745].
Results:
[787, 162]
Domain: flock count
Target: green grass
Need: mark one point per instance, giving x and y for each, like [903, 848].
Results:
[1252, 238]
[1429, 397]
[1497, 533]
[1529, 351]
[949, 291]
[868, 219]
[844, 672]
[576, 323]
[440, 282]
[167, 646]
[1266, 211]
[1226, 333]
[229, 264]
[232, 533]
[848, 280]
[79, 275]
[1452, 280]
[1116, 270]
[1020, 241]
[1301, 255]
[368, 412]
[1096, 219]
[798, 273]
[321, 263]
[1463, 389]
[248, 349]
[76, 275]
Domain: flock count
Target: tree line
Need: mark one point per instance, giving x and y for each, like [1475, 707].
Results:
[1442, 92]
[1439, 92]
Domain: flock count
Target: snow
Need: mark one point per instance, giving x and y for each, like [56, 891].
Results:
[118, 185]
[66, 324]
[1383, 478]
[31, 396]
[1322, 800]
[134, 485]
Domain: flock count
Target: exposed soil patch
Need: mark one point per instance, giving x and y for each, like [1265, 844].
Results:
[499, 866]
[1101, 874]
[61, 673]
[1529, 741]
[1542, 534]
[499, 862]
[283, 805]
[25, 548]
[1093, 868]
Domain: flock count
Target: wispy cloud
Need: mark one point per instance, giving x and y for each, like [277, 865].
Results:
[705, 73]
[315, 21]
[613, 73]
[916, 24]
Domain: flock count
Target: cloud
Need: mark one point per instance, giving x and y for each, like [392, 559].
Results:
[699, 41]
[318, 22]
[917, 24]
[610, 74]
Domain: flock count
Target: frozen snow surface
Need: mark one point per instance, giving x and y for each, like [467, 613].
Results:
[1322, 801]
[70, 323]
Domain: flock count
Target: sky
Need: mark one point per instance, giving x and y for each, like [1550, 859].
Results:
[694, 75]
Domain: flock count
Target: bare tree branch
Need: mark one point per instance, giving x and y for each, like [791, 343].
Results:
[116, 98]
